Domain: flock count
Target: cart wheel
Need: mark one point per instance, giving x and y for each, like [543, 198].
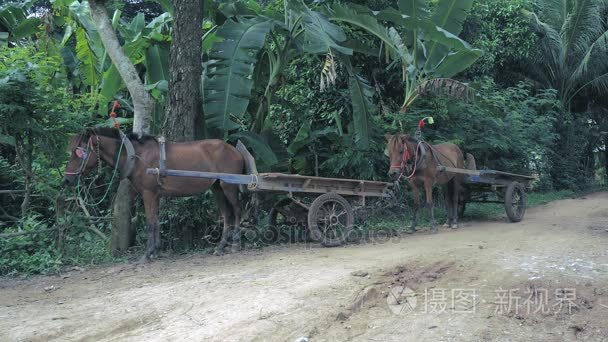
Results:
[515, 201]
[330, 219]
[285, 213]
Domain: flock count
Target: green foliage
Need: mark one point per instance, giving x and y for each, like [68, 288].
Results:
[572, 49]
[31, 253]
[505, 129]
[36, 110]
[430, 48]
[499, 28]
[228, 80]
[13, 19]
[32, 97]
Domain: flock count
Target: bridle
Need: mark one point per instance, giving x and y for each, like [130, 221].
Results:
[405, 158]
[84, 154]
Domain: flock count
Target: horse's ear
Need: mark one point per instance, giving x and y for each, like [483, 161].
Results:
[389, 137]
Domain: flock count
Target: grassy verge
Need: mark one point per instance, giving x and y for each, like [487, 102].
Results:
[399, 221]
[492, 211]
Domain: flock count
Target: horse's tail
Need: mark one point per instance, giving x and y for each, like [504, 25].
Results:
[471, 165]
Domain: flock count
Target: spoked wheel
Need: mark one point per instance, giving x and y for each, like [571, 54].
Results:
[330, 219]
[515, 201]
[286, 214]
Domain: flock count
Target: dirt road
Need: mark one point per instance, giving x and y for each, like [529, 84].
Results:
[544, 279]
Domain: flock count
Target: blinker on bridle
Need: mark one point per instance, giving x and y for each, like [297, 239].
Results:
[83, 154]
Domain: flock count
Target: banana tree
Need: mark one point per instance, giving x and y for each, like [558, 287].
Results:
[256, 48]
[423, 44]
[146, 45]
[15, 25]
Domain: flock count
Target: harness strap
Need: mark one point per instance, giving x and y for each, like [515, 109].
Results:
[407, 156]
[162, 153]
[127, 169]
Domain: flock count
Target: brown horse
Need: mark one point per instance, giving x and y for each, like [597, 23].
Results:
[417, 161]
[105, 144]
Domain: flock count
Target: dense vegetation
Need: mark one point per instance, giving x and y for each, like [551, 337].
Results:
[310, 86]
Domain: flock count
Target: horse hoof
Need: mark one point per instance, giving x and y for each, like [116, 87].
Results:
[218, 252]
[235, 249]
[434, 230]
[144, 260]
[445, 225]
[409, 231]
[454, 226]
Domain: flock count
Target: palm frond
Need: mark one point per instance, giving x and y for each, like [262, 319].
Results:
[594, 59]
[555, 12]
[581, 28]
[549, 56]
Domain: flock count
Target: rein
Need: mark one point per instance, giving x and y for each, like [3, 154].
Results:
[85, 153]
[405, 158]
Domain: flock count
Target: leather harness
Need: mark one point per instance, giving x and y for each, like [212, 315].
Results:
[127, 169]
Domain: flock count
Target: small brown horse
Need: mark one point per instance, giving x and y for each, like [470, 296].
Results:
[103, 144]
[417, 161]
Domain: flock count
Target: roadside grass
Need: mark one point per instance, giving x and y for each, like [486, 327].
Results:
[393, 221]
[494, 211]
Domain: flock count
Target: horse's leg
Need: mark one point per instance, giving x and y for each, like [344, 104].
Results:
[428, 191]
[222, 204]
[448, 189]
[151, 207]
[416, 194]
[455, 199]
[231, 192]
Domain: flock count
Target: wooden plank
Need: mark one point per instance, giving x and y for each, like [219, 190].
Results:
[290, 176]
[483, 172]
[508, 174]
[288, 183]
[459, 171]
[271, 186]
[226, 177]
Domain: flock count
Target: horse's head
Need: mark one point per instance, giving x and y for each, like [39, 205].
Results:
[83, 156]
[401, 153]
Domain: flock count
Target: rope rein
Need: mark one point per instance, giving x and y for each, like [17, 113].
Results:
[114, 172]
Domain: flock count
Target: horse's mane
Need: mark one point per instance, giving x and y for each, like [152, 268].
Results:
[109, 132]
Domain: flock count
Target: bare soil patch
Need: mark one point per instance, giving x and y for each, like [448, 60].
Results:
[404, 288]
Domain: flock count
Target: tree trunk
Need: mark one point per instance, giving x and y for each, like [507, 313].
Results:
[24, 149]
[184, 119]
[185, 69]
[124, 237]
[606, 159]
[142, 102]
[142, 116]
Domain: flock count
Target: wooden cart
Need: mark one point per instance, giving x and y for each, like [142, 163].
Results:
[479, 185]
[329, 217]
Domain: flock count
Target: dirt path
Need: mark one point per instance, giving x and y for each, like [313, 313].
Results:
[447, 287]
